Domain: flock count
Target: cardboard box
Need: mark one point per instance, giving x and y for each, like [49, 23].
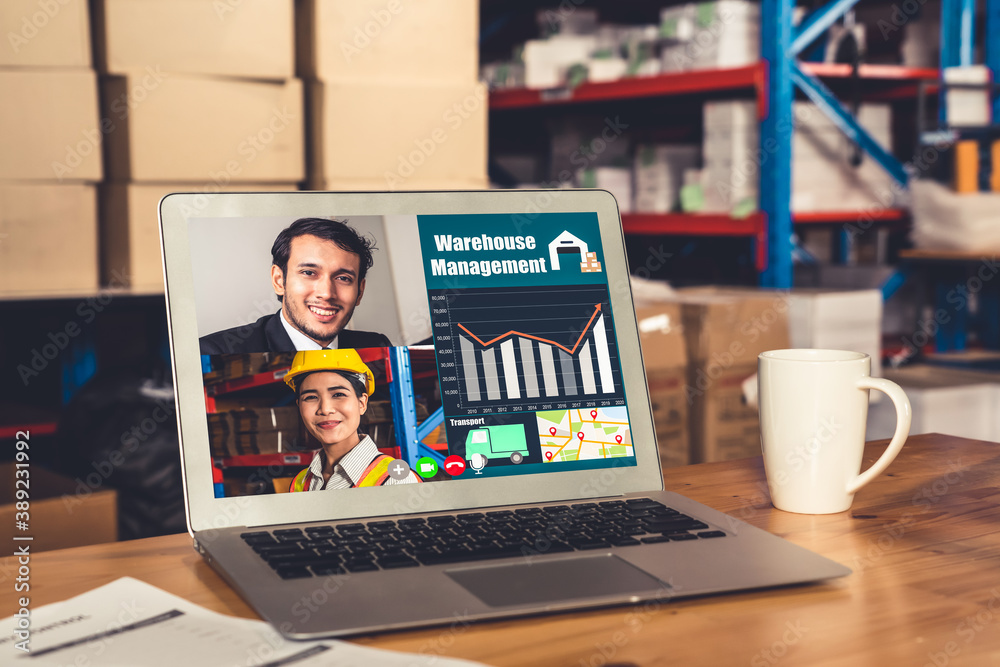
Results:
[59, 517]
[397, 133]
[49, 127]
[48, 237]
[382, 184]
[174, 128]
[388, 41]
[724, 331]
[943, 400]
[269, 442]
[45, 34]
[130, 232]
[255, 420]
[723, 426]
[663, 354]
[249, 38]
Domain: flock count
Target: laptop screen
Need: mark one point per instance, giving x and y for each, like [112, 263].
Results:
[481, 345]
[483, 351]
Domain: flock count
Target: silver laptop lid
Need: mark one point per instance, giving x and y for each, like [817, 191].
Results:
[514, 305]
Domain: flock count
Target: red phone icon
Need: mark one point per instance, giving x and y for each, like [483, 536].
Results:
[454, 465]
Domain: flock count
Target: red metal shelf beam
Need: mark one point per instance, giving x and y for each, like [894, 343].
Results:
[674, 83]
[754, 77]
[834, 217]
[38, 428]
[264, 460]
[702, 224]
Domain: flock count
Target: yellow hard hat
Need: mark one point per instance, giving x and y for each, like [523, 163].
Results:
[309, 361]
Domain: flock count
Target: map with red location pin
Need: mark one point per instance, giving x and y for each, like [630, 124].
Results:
[576, 435]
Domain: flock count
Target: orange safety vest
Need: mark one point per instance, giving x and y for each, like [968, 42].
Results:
[374, 475]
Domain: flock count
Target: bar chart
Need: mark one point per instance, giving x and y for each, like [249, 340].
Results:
[526, 348]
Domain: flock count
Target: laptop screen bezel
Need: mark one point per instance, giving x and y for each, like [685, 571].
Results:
[206, 512]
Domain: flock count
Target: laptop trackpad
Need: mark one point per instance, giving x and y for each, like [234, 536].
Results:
[554, 580]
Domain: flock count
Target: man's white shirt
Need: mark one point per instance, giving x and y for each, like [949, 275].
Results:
[302, 341]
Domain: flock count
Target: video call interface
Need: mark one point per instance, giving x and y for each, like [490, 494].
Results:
[490, 353]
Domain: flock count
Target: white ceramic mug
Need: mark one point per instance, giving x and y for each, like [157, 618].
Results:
[813, 411]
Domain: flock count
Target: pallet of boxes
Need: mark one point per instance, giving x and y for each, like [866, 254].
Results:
[724, 333]
[50, 149]
[665, 359]
[196, 96]
[394, 97]
[50, 163]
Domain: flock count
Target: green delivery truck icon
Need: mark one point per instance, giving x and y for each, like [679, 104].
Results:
[497, 442]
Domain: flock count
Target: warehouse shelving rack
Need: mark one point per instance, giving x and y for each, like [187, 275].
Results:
[772, 80]
[399, 380]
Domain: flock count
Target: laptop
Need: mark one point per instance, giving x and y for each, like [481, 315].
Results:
[510, 397]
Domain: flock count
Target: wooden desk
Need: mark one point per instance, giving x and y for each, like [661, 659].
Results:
[923, 541]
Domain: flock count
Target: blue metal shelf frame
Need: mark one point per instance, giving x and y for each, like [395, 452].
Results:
[780, 45]
[409, 434]
[776, 141]
[992, 22]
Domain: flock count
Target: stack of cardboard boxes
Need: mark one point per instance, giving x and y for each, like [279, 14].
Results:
[664, 356]
[197, 96]
[724, 332]
[50, 148]
[394, 99]
[700, 345]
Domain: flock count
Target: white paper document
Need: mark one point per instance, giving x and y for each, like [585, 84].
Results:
[129, 622]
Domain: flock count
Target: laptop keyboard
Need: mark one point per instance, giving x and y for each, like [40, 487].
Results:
[466, 537]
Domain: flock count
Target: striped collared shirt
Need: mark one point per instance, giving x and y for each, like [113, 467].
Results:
[348, 471]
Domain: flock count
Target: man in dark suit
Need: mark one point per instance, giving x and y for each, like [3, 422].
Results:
[318, 273]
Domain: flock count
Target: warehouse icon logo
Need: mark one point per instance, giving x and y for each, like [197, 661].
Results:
[568, 244]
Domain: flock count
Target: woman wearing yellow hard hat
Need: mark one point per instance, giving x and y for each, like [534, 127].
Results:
[332, 389]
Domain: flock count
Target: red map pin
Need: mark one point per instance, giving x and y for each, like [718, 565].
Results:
[580, 435]
[618, 439]
[593, 414]
[552, 430]
[548, 455]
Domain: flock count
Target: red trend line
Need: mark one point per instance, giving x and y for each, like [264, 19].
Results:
[597, 309]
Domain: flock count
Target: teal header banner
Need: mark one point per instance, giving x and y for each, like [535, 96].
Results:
[511, 250]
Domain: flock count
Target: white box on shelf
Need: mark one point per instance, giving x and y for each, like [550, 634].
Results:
[659, 175]
[943, 401]
[547, 61]
[616, 180]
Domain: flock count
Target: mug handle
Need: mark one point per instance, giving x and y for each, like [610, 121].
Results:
[904, 415]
